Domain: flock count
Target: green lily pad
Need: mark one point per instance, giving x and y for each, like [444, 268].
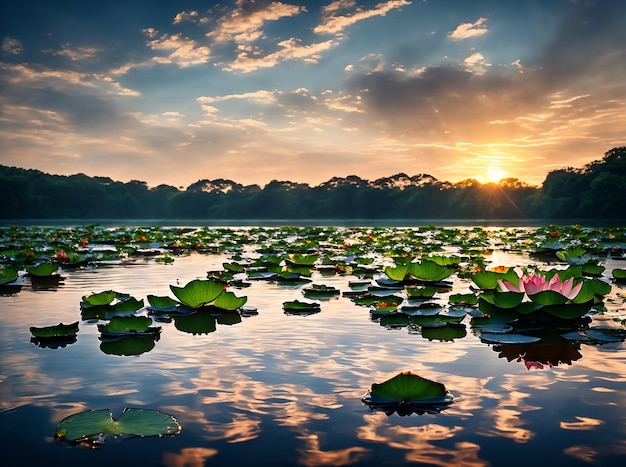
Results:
[397, 273]
[122, 325]
[619, 275]
[51, 332]
[296, 305]
[548, 297]
[198, 292]
[429, 271]
[420, 292]
[395, 320]
[7, 274]
[43, 269]
[158, 303]
[99, 299]
[228, 301]
[84, 426]
[487, 280]
[408, 388]
[592, 289]
[468, 299]
[569, 310]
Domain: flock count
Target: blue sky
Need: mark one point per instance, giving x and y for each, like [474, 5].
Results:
[171, 92]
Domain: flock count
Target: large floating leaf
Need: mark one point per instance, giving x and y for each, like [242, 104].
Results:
[569, 310]
[407, 387]
[489, 279]
[162, 303]
[228, 301]
[133, 422]
[397, 273]
[548, 297]
[43, 269]
[198, 293]
[98, 299]
[429, 271]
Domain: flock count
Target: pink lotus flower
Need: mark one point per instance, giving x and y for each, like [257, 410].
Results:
[538, 283]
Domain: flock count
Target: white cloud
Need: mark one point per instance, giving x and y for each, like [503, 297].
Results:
[183, 51]
[336, 24]
[467, 30]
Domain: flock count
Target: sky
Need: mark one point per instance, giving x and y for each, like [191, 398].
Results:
[172, 92]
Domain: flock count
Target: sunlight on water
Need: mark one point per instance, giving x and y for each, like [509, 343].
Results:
[275, 389]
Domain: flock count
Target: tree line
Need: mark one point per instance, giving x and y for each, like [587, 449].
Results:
[595, 191]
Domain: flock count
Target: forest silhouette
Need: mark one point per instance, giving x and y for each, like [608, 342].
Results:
[595, 191]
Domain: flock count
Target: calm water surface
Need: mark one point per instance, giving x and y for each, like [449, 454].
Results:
[281, 390]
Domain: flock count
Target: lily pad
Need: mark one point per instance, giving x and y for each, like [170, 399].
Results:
[43, 269]
[52, 332]
[420, 292]
[123, 325]
[429, 271]
[7, 274]
[92, 425]
[507, 338]
[228, 301]
[408, 388]
[198, 292]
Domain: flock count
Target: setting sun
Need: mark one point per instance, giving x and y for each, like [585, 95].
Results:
[494, 175]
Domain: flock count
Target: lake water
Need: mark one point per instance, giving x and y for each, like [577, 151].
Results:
[281, 390]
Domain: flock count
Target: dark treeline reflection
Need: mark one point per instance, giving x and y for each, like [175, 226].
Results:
[597, 190]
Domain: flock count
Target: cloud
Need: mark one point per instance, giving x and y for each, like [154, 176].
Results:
[243, 25]
[290, 49]
[183, 51]
[190, 16]
[263, 97]
[467, 30]
[334, 24]
[78, 54]
[12, 46]
[476, 63]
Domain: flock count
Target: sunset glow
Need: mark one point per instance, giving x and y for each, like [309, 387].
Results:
[254, 91]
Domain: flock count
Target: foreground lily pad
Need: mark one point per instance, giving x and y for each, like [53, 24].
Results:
[408, 388]
[92, 426]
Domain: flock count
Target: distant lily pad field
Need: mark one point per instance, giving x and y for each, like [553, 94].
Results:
[313, 345]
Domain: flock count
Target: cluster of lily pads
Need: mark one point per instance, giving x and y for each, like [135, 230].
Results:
[405, 277]
[124, 331]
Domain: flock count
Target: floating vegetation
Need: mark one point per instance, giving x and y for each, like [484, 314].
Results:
[428, 280]
[94, 427]
[408, 393]
[56, 336]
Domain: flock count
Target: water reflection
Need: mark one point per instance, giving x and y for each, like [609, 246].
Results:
[288, 388]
